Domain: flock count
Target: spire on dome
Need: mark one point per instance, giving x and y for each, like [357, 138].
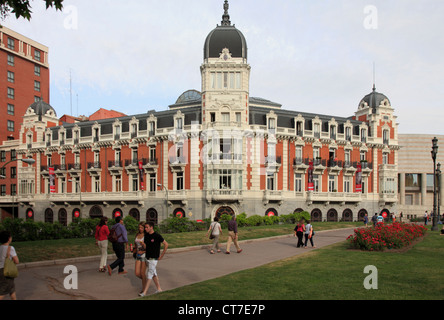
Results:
[226, 17]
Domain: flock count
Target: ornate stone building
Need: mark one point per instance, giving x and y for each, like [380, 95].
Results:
[216, 150]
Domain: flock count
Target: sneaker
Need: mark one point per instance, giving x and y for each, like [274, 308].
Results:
[141, 294]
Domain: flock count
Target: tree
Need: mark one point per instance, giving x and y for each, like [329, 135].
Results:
[22, 8]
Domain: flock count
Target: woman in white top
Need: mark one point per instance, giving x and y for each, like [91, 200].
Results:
[216, 231]
[7, 285]
[309, 234]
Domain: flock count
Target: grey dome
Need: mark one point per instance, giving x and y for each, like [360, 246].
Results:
[225, 36]
[374, 99]
[189, 96]
[41, 108]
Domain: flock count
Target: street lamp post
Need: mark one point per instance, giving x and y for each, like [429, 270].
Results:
[435, 211]
[438, 177]
[161, 185]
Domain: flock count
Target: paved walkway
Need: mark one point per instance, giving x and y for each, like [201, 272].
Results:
[179, 267]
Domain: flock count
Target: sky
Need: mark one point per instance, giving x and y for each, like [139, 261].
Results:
[318, 56]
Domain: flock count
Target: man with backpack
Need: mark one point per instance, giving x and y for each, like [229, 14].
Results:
[119, 239]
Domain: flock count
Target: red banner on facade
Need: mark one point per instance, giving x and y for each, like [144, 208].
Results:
[141, 175]
[310, 176]
[359, 178]
[51, 180]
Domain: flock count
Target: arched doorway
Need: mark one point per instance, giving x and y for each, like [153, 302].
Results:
[135, 214]
[76, 213]
[179, 213]
[63, 217]
[224, 210]
[95, 212]
[347, 215]
[49, 215]
[361, 214]
[271, 212]
[385, 213]
[117, 213]
[151, 216]
[30, 214]
[316, 215]
[332, 215]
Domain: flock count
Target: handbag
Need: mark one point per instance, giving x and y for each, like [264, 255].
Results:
[10, 269]
[211, 233]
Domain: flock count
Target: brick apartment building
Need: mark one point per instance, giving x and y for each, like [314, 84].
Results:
[215, 150]
[24, 79]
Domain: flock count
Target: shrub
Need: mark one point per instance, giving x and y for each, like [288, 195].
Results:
[392, 236]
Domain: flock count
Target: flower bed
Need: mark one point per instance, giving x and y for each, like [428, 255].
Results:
[386, 236]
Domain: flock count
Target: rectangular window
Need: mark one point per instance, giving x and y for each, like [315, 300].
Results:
[37, 55]
[10, 109]
[11, 60]
[37, 86]
[298, 182]
[11, 77]
[331, 184]
[13, 155]
[13, 189]
[10, 126]
[3, 190]
[271, 181]
[238, 80]
[11, 93]
[118, 183]
[179, 180]
[2, 156]
[13, 172]
[219, 80]
[37, 70]
[347, 184]
[11, 44]
[153, 181]
[135, 180]
[225, 80]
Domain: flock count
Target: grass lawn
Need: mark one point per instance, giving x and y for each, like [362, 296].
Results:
[31, 251]
[332, 273]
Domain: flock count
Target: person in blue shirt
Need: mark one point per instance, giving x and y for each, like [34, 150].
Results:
[119, 247]
[380, 218]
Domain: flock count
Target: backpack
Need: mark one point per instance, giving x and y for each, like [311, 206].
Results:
[113, 237]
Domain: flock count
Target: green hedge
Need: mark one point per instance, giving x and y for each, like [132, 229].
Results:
[29, 230]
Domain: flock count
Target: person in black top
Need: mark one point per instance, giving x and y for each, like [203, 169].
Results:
[152, 242]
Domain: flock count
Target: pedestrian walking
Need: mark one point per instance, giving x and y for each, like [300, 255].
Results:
[139, 254]
[232, 235]
[119, 247]
[380, 218]
[400, 217]
[375, 220]
[426, 217]
[299, 232]
[215, 231]
[309, 234]
[151, 244]
[101, 236]
[366, 220]
[7, 285]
